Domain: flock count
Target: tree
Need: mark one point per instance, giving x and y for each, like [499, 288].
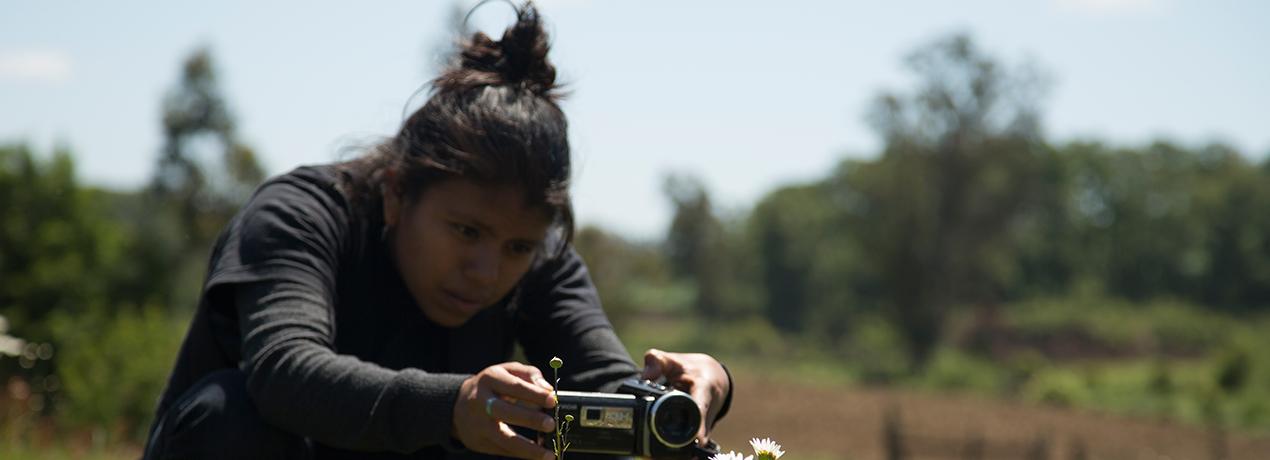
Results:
[204, 170]
[695, 242]
[956, 173]
[1165, 221]
[808, 260]
[632, 277]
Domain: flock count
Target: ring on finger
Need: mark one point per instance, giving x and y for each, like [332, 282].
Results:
[489, 405]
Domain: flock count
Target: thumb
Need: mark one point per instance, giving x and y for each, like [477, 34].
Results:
[654, 364]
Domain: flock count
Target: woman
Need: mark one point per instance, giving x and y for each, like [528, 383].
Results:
[373, 305]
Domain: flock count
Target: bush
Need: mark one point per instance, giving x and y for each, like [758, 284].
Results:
[950, 369]
[113, 366]
[1059, 388]
[877, 351]
[753, 336]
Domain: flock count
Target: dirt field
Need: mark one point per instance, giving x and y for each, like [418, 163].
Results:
[847, 423]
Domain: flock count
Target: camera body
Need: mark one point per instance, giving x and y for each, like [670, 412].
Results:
[643, 419]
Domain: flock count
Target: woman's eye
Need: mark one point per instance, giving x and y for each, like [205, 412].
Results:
[466, 231]
[522, 248]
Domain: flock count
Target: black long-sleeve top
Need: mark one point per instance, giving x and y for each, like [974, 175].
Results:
[301, 295]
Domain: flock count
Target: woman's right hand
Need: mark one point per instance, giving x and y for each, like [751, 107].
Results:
[513, 393]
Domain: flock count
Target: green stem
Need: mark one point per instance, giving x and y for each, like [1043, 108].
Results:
[558, 445]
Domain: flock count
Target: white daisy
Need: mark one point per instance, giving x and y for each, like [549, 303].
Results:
[766, 449]
[730, 456]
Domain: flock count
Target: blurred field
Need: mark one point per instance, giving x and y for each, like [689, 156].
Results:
[20, 452]
[835, 421]
[23, 437]
[1095, 382]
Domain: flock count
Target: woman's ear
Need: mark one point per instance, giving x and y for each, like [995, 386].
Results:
[392, 197]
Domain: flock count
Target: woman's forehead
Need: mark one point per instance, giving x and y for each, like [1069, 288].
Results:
[502, 207]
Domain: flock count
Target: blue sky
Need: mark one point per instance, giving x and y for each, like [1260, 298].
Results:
[747, 95]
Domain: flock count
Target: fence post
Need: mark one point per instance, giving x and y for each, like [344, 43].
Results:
[1078, 450]
[1040, 449]
[1217, 441]
[1216, 433]
[892, 434]
[974, 448]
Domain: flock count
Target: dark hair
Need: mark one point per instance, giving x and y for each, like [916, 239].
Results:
[491, 117]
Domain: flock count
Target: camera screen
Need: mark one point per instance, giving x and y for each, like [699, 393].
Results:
[607, 417]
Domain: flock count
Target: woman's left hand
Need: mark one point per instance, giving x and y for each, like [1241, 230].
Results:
[699, 375]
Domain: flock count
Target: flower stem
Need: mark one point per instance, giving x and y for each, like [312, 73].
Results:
[559, 443]
[562, 427]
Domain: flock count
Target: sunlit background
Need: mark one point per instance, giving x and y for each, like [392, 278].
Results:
[890, 218]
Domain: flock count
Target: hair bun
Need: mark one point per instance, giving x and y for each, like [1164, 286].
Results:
[519, 58]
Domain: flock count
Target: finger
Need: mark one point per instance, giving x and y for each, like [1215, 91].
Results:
[657, 364]
[489, 442]
[529, 373]
[514, 445]
[703, 405]
[518, 415]
[506, 384]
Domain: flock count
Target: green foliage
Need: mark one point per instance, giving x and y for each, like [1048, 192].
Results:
[1162, 326]
[77, 263]
[631, 277]
[1180, 390]
[1058, 387]
[746, 337]
[21, 450]
[57, 248]
[807, 268]
[113, 366]
[701, 249]
[951, 369]
[959, 170]
[876, 351]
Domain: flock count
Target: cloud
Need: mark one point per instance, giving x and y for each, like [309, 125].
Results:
[1108, 6]
[37, 65]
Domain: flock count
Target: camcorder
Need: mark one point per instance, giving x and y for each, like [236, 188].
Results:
[643, 419]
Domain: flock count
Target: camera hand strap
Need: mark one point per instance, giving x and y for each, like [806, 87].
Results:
[701, 452]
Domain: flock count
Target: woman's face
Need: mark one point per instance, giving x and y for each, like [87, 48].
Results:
[461, 246]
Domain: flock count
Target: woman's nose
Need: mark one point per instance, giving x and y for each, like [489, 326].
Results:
[482, 266]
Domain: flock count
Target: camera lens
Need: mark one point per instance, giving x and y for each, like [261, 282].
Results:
[675, 419]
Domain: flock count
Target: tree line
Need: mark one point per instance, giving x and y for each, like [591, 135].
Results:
[969, 205]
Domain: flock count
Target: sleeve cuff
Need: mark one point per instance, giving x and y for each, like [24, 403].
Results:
[727, 400]
[423, 408]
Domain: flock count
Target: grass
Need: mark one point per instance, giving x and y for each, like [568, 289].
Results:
[24, 451]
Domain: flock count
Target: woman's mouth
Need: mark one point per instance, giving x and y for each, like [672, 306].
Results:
[463, 303]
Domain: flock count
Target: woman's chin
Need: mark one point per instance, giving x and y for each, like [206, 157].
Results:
[448, 317]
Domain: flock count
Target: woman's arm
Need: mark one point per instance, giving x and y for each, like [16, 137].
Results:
[299, 384]
[281, 261]
[559, 314]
